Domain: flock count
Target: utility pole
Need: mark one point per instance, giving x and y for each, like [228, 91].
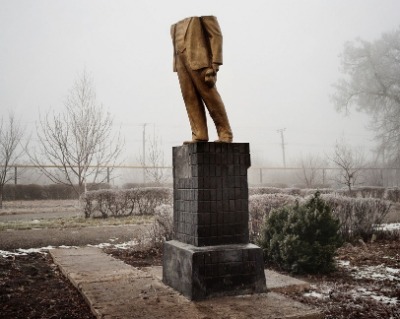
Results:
[144, 153]
[283, 145]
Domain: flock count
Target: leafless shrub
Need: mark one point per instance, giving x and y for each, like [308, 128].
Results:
[125, 202]
[350, 163]
[159, 231]
[274, 190]
[393, 194]
[163, 222]
[260, 207]
[358, 216]
[11, 134]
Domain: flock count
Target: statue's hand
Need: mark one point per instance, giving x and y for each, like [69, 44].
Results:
[215, 67]
[210, 77]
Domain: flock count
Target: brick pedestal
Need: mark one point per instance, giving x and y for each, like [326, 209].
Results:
[210, 254]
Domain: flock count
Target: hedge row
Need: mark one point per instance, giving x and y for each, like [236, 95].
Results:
[43, 192]
[390, 193]
[125, 202]
[261, 205]
[358, 216]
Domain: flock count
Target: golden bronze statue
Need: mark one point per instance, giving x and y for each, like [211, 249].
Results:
[197, 56]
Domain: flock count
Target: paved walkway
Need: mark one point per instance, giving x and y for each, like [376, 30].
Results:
[114, 289]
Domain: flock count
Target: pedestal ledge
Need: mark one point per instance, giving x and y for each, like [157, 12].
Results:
[204, 272]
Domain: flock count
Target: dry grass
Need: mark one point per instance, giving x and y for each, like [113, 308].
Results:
[40, 206]
[74, 222]
[73, 216]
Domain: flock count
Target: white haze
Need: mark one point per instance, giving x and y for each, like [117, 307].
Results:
[280, 59]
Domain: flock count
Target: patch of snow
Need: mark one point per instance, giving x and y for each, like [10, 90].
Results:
[314, 294]
[102, 245]
[379, 272]
[68, 247]
[388, 227]
[392, 270]
[35, 250]
[24, 252]
[376, 272]
[385, 300]
[362, 292]
[5, 253]
[44, 250]
[343, 263]
[126, 245]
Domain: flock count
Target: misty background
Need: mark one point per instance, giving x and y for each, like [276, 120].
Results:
[280, 61]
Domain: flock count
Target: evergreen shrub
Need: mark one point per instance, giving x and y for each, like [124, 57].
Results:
[302, 238]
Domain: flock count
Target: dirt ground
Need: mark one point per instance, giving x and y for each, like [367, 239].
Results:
[366, 285]
[32, 287]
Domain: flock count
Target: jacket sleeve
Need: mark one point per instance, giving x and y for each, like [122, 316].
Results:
[172, 31]
[214, 35]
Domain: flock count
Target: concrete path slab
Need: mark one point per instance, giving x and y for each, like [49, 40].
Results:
[114, 289]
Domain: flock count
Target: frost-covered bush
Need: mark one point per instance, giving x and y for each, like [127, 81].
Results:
[311, 191]
[274, 190]
[357, 216]
[125, 202]
[264, 190]
[371, 192]
[393, 194]
[260, 207]
[163, 222]
[160, 230]
[302, 238]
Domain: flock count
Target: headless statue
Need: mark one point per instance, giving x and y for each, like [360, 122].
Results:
[197, 56]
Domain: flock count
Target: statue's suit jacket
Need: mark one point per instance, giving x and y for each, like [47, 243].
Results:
[202, 42]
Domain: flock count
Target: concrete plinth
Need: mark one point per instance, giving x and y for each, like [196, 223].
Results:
[211, 271]
[211, 254]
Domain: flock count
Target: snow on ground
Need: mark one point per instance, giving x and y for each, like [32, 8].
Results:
[44, 250]
[388, 227]
[380, 272]
[362, 292]
[376, 273]
[323, 292]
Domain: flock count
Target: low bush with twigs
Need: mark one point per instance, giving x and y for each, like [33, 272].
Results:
[125, 202]
[358, 216]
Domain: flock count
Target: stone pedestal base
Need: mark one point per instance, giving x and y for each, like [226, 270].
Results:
[203, 272]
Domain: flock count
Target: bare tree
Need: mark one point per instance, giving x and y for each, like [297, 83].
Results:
[371, 83]
[350, 163]
[79, 143]
[311, 170]
[10, 137]
[154, 162]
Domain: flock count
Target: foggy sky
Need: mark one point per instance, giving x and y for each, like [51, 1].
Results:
[280, 60]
